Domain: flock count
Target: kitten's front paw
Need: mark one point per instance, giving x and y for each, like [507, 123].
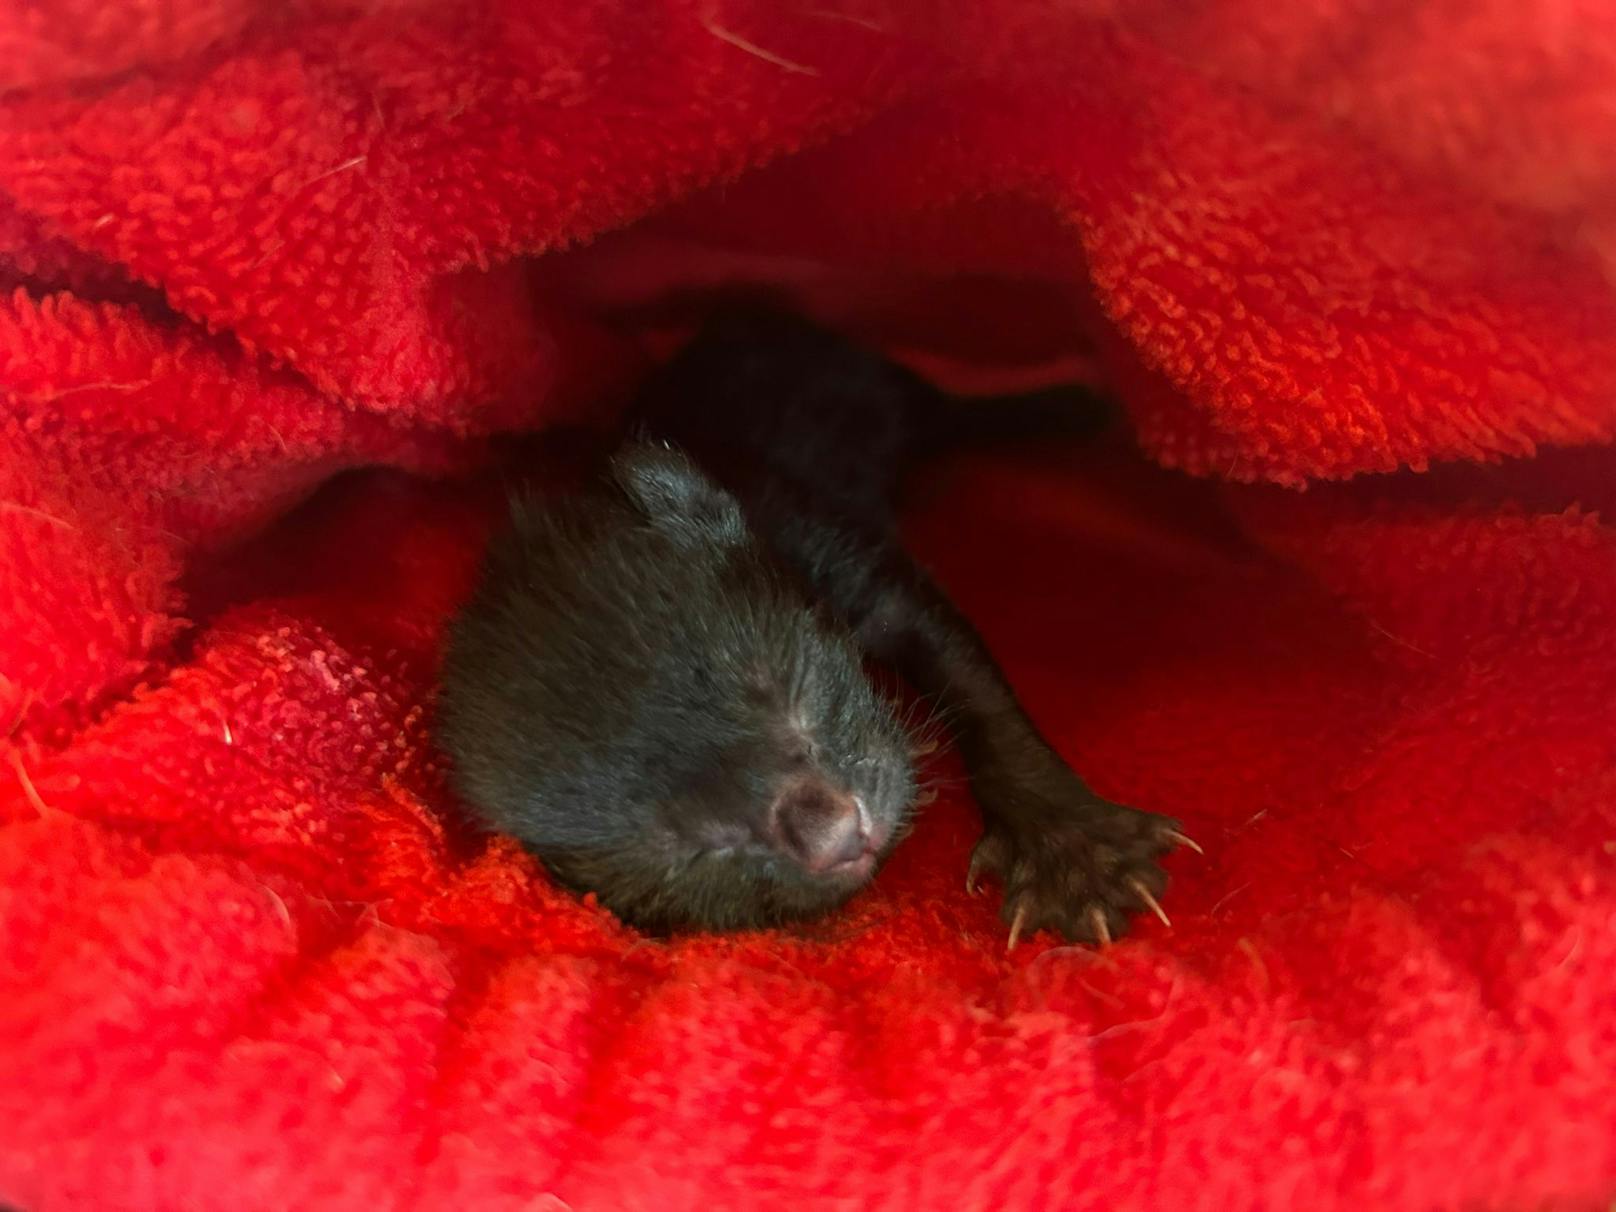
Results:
[1082, 873]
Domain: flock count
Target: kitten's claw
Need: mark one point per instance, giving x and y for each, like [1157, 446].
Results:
[1102, 932]
[1173, 835]
[991, 855]
[1015, 927]
[1151, 902]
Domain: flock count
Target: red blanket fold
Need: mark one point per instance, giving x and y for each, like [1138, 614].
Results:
[252, 958]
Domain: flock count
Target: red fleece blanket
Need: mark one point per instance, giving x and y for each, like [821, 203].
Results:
[252, 959]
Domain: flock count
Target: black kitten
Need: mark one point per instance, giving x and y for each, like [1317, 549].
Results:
[657, 684]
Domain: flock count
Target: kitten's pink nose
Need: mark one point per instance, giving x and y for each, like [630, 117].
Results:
[824, 829]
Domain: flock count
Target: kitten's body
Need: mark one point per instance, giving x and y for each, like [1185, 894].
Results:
[658, 687]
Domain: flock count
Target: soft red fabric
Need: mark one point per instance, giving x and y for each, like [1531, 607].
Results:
[250, 959]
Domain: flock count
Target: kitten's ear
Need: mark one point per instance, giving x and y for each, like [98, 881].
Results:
[676, 495]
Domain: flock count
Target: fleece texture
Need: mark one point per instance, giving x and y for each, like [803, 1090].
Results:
[277, 276]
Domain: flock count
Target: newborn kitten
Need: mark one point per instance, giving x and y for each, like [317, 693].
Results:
[658, 683]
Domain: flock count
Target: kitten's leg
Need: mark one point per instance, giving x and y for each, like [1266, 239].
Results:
[1068, 859]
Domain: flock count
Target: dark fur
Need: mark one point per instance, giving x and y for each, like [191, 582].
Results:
[650, 669]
